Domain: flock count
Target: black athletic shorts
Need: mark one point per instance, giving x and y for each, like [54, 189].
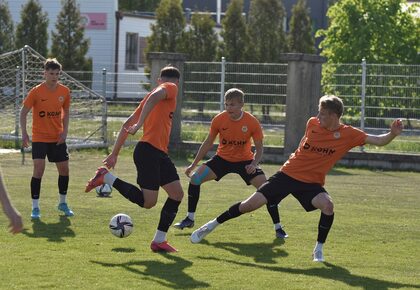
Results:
[221, 167]
[154, 167]
[281, 185]
[54, 152]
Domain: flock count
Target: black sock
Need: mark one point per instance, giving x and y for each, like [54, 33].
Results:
[231, 213]
[193, 197]
[273, 210]
[129, 191]
[35, 187]
[63, 184]
[168, 214]
[324, 226]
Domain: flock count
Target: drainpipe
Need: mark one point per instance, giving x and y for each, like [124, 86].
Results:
[118, 16]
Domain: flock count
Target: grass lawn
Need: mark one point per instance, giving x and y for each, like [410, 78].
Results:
[374, 243]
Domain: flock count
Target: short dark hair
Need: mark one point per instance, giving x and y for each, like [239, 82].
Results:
[170, 71]
[332, 103]
[52, 63]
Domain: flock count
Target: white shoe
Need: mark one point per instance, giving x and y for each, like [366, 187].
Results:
[318, 255]
[200, 233]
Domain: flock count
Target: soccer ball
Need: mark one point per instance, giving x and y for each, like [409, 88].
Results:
[103, 190]
[121, 225]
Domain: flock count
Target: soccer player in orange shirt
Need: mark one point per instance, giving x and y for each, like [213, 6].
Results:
[11, 212]
[50, 105]
[154, 167]
[326, 141]
[235, 128]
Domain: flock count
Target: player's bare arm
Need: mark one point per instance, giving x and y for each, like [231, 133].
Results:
[383, 139]
[154, 98]
[23, 117]
[202, 151]
[63, 135]
[259, 149]
[111, 160]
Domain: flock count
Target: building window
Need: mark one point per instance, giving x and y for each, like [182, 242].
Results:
[142, 48]
[131, 51]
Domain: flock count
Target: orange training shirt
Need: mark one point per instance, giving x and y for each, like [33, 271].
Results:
[235, 136]
[158, 124]
[47, 111]
[319, 150]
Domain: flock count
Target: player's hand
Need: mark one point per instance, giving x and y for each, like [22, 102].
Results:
[397, 127]
[25, 140]
[110, 161]
[61, 138]
[16, 224]
[250, 168]
[132, 129]
[189, 169]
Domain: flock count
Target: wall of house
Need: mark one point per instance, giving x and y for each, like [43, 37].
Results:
[99, 28]
[127, 81]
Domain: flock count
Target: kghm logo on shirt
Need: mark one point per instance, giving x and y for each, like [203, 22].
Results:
[319, 150]
[42, 114]
[233, 142]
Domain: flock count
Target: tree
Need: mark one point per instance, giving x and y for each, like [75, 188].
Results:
[7, 42]
[168, 31]
[379, 31]
[32, 30]
[68, 43]
[300, 38]
[268, 39]
[135, 5]
[234, 46]
[201, 40]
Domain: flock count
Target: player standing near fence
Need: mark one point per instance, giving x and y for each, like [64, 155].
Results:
[154, 167]
[50, 105]
[235, 128]
[326, 141]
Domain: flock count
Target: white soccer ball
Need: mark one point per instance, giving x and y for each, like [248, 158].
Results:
[121, 225]
[104, 190]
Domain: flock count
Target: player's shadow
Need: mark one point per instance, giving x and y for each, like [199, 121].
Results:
[53, 232]
[124, 250]
[330, 272]
[170, 275]
[260, 252]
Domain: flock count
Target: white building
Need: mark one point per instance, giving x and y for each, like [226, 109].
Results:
[106, 27]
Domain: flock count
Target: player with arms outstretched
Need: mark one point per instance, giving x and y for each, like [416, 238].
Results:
[326, 141]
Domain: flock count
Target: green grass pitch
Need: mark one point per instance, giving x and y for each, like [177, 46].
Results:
[374, 242]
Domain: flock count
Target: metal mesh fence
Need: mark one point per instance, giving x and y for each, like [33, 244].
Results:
[204, 86]
[376, 94]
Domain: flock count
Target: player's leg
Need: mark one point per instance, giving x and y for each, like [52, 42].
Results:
[255, 201]
[273, 209]
[203, 174]
[63, 184]
[272, 191]
[324, 202]
[171, 184]
[39, 152]
[147, 177]
[59, 155]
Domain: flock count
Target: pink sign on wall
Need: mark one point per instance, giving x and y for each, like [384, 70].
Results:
[94, 20]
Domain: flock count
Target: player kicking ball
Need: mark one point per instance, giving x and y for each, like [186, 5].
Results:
[326, 141]
[154, 167]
